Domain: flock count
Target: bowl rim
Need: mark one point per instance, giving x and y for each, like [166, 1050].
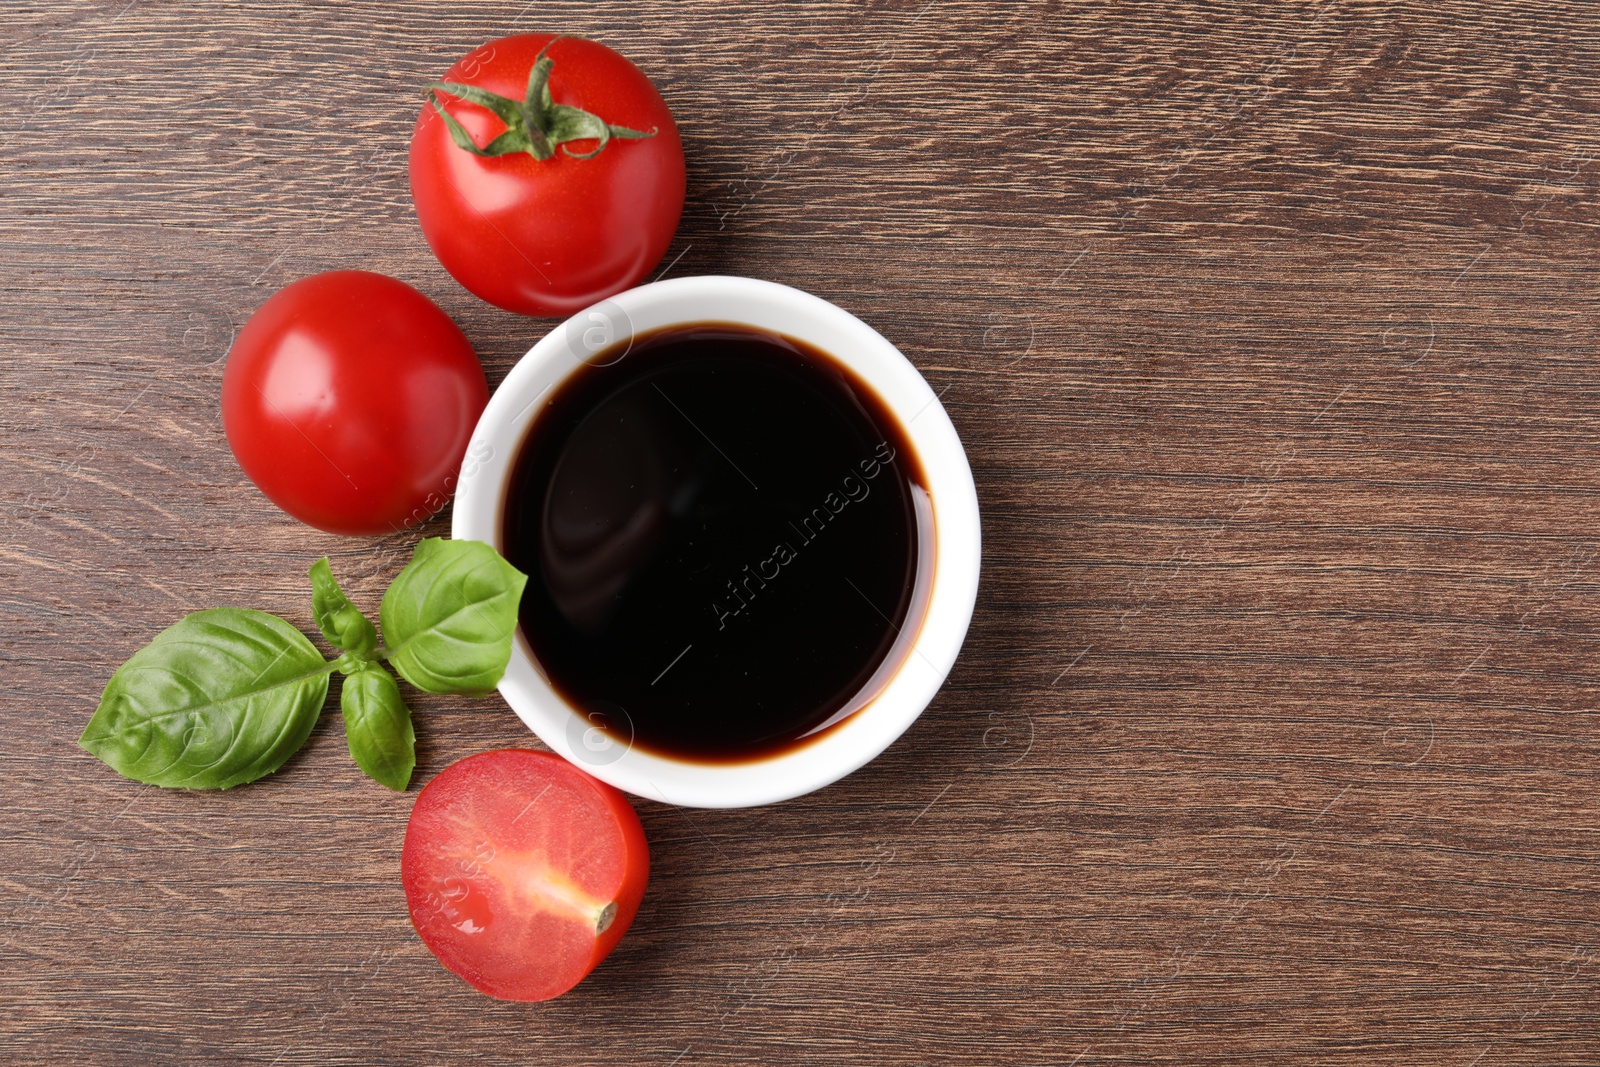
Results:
[952, 590]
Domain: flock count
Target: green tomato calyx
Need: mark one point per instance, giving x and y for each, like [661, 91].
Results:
[536, 124]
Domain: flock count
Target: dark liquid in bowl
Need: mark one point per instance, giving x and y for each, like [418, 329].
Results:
[722, 531]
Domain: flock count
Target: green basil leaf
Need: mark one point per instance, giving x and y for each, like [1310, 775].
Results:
[218, 699]
[377, 725]
[449, 617]
[340, 621]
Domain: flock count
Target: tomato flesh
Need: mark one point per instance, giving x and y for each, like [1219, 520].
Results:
[349, 399]
[521, 872]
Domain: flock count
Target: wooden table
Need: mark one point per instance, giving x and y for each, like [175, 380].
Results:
[1271, 331]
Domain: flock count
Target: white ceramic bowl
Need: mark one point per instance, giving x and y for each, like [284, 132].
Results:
[949, 587]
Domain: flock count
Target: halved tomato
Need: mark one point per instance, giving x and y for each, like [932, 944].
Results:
[522, 873]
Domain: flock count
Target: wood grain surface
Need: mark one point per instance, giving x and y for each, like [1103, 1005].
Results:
[1271, 333]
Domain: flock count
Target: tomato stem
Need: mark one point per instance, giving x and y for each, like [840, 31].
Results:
[536, 125]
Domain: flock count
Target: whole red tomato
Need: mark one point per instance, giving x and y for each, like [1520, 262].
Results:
[547, 173]
[348, 398]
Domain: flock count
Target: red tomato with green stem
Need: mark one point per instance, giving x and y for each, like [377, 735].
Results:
[547, 173]
[521, 872]
[349, 399]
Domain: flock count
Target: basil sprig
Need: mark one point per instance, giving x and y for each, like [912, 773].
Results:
[225, 696]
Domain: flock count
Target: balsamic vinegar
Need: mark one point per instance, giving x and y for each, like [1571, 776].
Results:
[721, 529]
